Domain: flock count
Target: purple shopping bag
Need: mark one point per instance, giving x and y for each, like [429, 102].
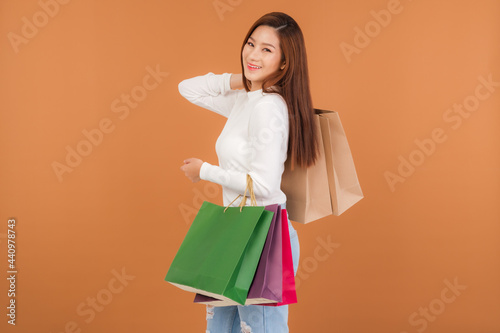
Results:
[289, 289]
[267, 285]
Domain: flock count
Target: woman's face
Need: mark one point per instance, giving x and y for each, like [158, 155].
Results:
[261, 55]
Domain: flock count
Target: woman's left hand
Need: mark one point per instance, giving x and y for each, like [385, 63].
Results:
[192, 168]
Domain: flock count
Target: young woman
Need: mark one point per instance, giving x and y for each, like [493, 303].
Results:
[269, 119]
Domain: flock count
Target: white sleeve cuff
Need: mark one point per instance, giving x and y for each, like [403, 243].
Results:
[204, 171]
[226, 82]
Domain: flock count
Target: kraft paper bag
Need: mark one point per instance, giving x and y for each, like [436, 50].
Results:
[345, 189]
[330, 186]
[267, 286]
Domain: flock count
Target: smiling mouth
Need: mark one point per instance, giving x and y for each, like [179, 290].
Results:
[253, 67]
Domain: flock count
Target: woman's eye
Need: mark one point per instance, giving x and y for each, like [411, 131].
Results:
[267, 50]
[250, 43]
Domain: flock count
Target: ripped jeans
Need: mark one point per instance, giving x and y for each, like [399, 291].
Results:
[254, 318]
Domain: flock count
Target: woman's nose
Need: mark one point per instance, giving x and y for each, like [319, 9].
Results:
[254, 54]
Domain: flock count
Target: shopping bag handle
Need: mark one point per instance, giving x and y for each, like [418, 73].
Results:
[248, 188]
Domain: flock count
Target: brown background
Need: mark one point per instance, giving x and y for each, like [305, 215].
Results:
[127, 206]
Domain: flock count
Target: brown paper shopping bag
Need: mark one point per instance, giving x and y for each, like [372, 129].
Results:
[331, 185]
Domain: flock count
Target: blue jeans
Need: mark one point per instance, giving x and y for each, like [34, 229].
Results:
[254, 318]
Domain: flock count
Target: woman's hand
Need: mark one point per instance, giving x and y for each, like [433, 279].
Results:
[192, 168]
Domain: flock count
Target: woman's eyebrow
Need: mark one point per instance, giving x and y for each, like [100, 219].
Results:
[262, 43]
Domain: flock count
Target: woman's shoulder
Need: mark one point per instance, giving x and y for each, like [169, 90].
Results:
[273, 98]
[269, 109]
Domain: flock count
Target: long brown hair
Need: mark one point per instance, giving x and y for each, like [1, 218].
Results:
[293, 85]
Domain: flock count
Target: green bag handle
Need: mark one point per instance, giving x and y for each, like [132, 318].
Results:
[248, 188]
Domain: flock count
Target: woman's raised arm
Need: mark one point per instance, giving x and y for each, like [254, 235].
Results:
[210, 91]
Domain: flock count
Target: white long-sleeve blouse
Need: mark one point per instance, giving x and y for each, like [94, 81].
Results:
[253, 141]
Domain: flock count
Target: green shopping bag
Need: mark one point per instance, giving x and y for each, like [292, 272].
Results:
[221, 250]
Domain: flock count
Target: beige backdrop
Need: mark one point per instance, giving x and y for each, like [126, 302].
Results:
[94, 131]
